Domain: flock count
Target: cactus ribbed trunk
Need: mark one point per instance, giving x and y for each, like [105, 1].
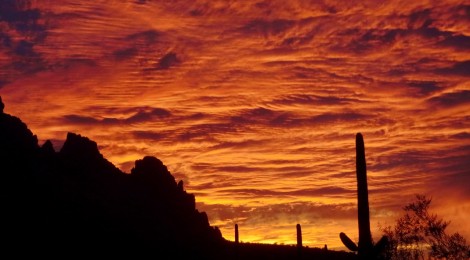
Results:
[365, 237]
[236, 234]
[299, 236]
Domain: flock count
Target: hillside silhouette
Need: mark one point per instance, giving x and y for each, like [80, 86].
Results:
[74, 202]
[75, 199]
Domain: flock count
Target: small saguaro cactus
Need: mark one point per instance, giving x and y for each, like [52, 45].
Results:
[299, 236]
[365, 249]
[236, 234]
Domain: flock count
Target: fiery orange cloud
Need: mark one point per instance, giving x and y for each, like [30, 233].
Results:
[255, 104]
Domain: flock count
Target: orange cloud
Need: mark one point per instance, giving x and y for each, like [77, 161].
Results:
[255, 105]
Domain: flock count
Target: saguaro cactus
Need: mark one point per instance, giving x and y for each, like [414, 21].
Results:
[299, 236]
[365, 236]
[366, 249]
[236, 234]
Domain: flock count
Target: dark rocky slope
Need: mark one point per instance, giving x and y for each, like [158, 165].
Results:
[75, 201]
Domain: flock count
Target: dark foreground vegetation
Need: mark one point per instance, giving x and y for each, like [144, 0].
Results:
[419, 234]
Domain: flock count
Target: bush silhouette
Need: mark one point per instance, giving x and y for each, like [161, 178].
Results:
[419, 232]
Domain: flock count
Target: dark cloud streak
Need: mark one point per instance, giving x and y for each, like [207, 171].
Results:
[139, 117]
[452, 99]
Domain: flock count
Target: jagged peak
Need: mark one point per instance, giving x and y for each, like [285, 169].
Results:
[153, 168]
[14, 134]
[48, 147]
[148, 164]
[181, 185]
[77, 144]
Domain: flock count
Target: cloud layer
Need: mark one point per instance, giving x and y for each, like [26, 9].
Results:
[255, 104]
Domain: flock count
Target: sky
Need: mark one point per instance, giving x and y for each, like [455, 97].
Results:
[255, 104]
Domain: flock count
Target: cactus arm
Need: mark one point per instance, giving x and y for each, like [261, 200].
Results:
[348, 242]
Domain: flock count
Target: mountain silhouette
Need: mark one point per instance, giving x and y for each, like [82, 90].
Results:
[75, 201]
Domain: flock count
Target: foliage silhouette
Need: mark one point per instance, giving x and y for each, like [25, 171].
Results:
[418, 233]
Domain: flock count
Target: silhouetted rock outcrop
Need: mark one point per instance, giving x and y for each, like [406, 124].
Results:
[152, 169]
[81, 147]
[16, 140]
[47, 148]
[81, 155]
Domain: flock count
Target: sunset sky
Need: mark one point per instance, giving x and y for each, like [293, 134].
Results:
[255, 104]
